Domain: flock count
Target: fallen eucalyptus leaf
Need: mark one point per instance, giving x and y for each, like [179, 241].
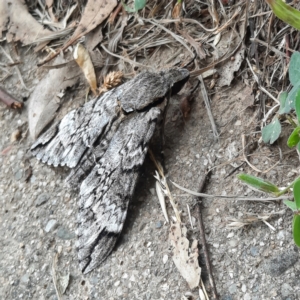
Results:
[95, 12]
[83, 59]
[19, 23]
[44, 101]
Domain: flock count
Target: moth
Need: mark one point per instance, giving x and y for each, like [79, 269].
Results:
[104, 143]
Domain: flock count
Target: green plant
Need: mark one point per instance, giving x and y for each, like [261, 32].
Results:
[285, 12]
[138, 5]
[268, 187]
[288, 101]
[271, 132]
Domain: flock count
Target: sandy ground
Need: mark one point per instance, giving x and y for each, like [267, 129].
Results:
[38, 213]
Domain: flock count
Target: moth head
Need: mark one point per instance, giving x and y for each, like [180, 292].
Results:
[176, 77]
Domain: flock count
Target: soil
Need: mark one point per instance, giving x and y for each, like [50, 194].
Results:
[38, 212]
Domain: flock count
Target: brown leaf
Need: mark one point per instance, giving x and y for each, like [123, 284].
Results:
[83, 59]
[19, 23]
[184, 257]
[95, 12]
[93, 38]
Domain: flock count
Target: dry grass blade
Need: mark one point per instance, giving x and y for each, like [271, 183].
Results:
[54, 277]
[124, 58]
[250, 165]
[175, 36]
[16, 69]
[208, 109]
[229, 197]
[165, 186]
[251, 219]
[161, 192]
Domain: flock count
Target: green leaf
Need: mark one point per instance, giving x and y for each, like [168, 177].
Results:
[294, 67]
[282, 100]
[296, 229]
[285, 12]
[271, 132]
[139, 4]
[290, 204]
[296, 191]
[290, 100]
[258, 183]
[297, 106]
[294, 138]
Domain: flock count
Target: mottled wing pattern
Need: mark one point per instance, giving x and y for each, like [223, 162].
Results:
[65, 143]
[105, 142]
[105, 193]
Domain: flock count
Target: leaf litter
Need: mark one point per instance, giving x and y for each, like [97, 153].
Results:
[47, 96]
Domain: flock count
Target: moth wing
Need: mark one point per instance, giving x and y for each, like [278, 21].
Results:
[65, 143]
[106, 191]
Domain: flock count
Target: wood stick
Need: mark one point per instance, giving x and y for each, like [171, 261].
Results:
[9, 100]
[203, 240]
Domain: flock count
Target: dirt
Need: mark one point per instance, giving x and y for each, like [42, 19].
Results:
[38, 212]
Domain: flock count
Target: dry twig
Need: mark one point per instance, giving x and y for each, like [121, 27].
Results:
[203, 240]
[9, 100]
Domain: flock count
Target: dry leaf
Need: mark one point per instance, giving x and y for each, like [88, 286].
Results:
[44, 102]
[19, 23]
[83, 59]
[95, 12]
[111, 80]
[184, 257]
[64, 281]
[93, 38]
[162, 202]
[227, 71]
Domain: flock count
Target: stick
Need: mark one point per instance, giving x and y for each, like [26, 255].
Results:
[203, 241]
[9, 100]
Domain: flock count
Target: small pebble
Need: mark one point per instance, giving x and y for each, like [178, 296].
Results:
[232, 289]
[15, 135]
[64, 234]
[165, 258]
[158, 224]
[41, 199]
[247, 296]
[254, 251]
[52, 224]
[19, 174]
